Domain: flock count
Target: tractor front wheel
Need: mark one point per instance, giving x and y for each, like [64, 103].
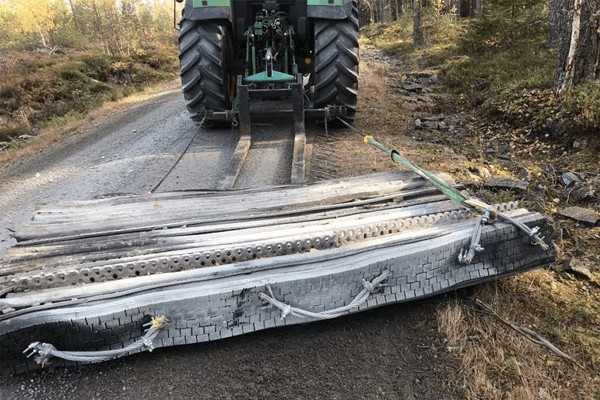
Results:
[203, 50]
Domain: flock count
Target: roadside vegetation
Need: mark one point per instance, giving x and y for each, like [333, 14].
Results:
[498, 72]
[59, 63]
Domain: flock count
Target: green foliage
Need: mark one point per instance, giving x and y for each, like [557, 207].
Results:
[35, 18]
[140, 68]
[440, 34]
[118, 27]
[586, 341]
[507, 72]
[62, 120]
[502, 196]
[582, 101]
[7, 17]
[65, 32]
[506, 48]
[508, 23]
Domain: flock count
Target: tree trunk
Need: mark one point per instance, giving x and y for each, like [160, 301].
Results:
[569, 70]
[579, 44]
[556, 17]
[42, 36]
[452, 8]
[371, 11]
[75, 16]
[417, 26]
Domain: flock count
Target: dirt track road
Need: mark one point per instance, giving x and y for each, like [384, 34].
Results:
[389, 353]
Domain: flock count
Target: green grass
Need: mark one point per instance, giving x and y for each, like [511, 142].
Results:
[440, 35]
[507, 48]
[583, 101]
[507, 73]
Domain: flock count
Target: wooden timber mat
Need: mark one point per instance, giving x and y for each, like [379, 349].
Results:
[87, 275]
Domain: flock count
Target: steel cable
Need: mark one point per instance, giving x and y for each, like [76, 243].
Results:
[457, 197]
[286, 309]
[44, 351]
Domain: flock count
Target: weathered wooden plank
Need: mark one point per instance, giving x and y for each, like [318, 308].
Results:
[416, 197]
[242, 200]
[150, 215]
[119, 246]
[376, 184]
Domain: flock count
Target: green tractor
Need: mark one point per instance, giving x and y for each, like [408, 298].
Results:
[268, 47]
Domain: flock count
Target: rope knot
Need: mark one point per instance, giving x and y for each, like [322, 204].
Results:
[370, 286]
[159, 322]
[285, 311]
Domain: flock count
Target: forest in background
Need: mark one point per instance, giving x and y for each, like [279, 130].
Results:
[117, 28]
[61, 58]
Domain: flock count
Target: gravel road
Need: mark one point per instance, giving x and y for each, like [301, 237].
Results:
[388, 353]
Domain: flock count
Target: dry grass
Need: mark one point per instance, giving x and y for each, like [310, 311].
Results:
[381, 113]
[44, 98]
[47, 137]
[498, 363]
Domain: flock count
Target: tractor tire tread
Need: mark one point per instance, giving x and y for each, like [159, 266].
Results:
[202, 67]
[336, 63]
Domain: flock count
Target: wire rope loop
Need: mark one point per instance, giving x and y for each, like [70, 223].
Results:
[44, 351]
[287, 309]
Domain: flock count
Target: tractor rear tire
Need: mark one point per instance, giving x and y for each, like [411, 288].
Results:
[336, 63]
[203, 49]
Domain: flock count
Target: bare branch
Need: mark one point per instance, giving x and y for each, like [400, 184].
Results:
[532, 336]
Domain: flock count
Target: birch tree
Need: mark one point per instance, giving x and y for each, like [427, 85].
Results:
[36, 16]
[579, 43]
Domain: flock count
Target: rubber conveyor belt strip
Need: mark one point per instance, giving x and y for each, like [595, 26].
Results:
[222, 300]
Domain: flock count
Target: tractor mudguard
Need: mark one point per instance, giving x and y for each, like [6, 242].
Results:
[199, 10]
[329, 9]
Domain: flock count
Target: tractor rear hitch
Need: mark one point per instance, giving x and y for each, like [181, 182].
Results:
[269, 107]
